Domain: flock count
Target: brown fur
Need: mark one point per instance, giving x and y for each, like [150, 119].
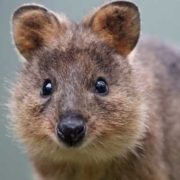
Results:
[118, 24]
[133, 132]
[35, 27]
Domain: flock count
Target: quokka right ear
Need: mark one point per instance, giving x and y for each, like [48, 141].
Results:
[34, 27]
[117, 24]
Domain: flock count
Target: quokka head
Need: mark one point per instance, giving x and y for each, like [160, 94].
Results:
[76, 96]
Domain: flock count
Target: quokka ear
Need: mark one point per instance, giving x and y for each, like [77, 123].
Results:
[35, 27]
[118, 24]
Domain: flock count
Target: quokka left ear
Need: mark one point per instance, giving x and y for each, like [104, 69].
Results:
[35, 27]
[118, 24]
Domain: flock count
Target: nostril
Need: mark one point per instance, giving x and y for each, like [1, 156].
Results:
[60, 132]
[71, 130]
[79, 130]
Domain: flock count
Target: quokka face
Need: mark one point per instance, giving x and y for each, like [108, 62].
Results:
[76, 96]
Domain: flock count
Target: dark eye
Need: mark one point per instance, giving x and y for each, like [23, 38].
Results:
[47, 88]
[101, 86]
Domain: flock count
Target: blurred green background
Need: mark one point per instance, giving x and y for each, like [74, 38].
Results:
[160, 18]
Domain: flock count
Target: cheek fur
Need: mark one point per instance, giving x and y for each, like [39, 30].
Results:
[30, 118]
[115, 123]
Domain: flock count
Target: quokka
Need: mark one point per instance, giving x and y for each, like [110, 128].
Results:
[94, 100]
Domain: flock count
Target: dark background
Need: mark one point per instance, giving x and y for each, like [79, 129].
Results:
[160, 18]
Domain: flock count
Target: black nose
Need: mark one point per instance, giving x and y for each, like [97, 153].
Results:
[71, 129]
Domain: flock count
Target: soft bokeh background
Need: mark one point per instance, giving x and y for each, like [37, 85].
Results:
[160, 18]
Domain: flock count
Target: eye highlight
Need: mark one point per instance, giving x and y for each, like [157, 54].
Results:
[47, 88]
[101, 86]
